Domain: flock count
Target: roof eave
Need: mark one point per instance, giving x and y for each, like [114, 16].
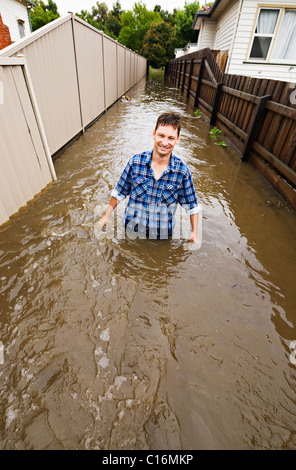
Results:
[205, 14]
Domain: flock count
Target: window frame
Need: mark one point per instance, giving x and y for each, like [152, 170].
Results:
[268, 59]
[21, 27]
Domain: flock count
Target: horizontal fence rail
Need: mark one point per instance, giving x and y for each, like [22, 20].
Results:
[71, 73]
[256, 115]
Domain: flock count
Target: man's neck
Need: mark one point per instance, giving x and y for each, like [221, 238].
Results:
[161, 160]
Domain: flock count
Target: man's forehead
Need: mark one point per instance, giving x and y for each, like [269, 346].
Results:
[168, 129]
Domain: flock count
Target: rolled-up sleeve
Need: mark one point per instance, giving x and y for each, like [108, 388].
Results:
[187, 196]
[123, 186]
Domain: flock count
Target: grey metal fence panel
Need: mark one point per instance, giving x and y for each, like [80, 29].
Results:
[24, 165]
[110, 69]
[121, 71]
[89, 53]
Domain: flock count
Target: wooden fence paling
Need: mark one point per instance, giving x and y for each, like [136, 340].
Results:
[184, 75]
[276, 162]
[180, 71]
[190, 77]
[216, 103]
[201, 68]
[254, 131]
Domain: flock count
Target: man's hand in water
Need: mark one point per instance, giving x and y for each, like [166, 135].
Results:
[193, 237]
[104, 220]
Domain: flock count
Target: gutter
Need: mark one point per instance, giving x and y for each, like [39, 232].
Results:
[205, 13]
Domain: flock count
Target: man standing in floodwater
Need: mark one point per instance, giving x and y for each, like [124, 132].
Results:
[156, 182]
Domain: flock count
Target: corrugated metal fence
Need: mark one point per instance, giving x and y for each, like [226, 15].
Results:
[25, 161]
[76, 73]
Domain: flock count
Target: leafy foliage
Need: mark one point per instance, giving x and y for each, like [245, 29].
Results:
[153, 33]
[135, 28]
[159, 44]
[183, 24]
[43, 14]
[135, 25]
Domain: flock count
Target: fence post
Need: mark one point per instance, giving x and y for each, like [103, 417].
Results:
[77, 71]
[254, 131]
[190, 77]
[184, 75]
[180, 71]
[201, 68]
[216, 103]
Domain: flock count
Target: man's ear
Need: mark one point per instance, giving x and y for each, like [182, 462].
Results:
[178, 139]
[153, 133]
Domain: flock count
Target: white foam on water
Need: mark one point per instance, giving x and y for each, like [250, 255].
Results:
[1, 353]
[11, 414]
[103, 362]
[119, 381]
[105, 335]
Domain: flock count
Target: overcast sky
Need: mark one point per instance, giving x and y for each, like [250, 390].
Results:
[64, 6]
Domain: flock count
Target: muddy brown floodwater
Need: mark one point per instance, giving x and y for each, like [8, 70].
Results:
[113, 343]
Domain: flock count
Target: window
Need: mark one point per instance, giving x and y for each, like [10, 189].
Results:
[21, 26]
[274, 37]
[285, 44]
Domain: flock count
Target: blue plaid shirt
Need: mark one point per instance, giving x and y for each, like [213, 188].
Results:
[153, 203]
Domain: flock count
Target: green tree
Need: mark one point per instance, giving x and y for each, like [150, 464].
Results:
[166, 15]
[135, 25]
[101, 18]
[184, 20]
[100, 12]
[159, 44]
[116, 9]
[113, 25]
[43, 14]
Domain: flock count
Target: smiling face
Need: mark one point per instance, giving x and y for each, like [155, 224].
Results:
[165, 139]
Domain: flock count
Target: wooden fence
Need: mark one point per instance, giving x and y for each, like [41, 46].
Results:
[256, 115]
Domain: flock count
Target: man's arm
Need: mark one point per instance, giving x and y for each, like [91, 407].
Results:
[194, 228]
[112, 204]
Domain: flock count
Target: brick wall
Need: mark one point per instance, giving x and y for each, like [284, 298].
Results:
[5, 38]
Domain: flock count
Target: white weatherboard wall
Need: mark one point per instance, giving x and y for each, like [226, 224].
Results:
[207, 34]
[238, 64]
[226, 27]
[11, 11]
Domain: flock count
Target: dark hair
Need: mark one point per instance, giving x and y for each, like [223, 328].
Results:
[169, 119]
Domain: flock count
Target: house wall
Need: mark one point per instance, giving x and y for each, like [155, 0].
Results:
[207, 34]
[5, 39]
[226, 25]
[237, 65]
[11, 11]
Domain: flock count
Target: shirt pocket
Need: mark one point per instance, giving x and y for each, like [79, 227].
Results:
[170, 194]
[139, 189]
